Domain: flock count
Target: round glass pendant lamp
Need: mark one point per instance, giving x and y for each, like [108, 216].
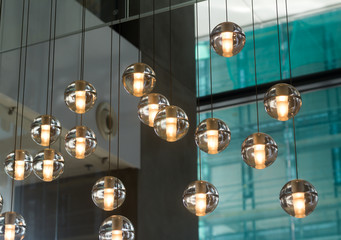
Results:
[138, 79]
[108, 193]
[80, 96]
[171, 123]
[116, 227]
[227, 39]
[149, 106]
[259, 150]
[12, 226]
[48, 165]
[200, 198]
[282, 101]
[18, 164]
[212, 135]
[80, 142]
[45, 130]
[298, 198]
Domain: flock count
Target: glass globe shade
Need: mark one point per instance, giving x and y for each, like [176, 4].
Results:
[200, 198]
[45, 130]
[138, 79]
[227, 39]
[149, 106]
[12, 226]
[116, 227]
[282, 101]
[259, 150]
[80, 142]
[212, 135]
[298, 198]
[80, 96]
[1, 202]
[108, 193]
[171, 123]
[18, 164]
[48, 165]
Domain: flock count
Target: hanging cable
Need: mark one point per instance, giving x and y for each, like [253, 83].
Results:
[170, 51]
[83, 45]
[255, 62]
[209, 47]
[279, 43]
[110, 98]
[24, 80]
[227, 14]
[54, 54]
[198, 79]
[139, 33]
[48, 61]
[119, 91]
[290, 70]
[154, 35]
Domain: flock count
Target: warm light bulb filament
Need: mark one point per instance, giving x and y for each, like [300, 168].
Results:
[171, 128]
[9, 232]
[80, 147]
[138, 84]
[299, 204]
[200, 204]
[282, 107]
[153, 109]
[48, 170]
[212, 141]
[80, 101]
[45, 134]
[227, 43]
[19, 171]
[109, 199]
[259, 156]
[116, 235]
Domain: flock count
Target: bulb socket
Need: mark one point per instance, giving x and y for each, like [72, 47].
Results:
[49, 154]
[171, 112]
[117, 222]
[80, 131]
[282, 89]
[20, 154]
[80, 85]
[109, 182]
[200, 187]
[153, 98]
[45, 120]
[297, 186]
[258, 138]
[212, 124]
[10, 218]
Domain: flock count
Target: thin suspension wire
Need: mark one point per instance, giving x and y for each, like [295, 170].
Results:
[198, 77]
[290, 70]
[255, 62]
[279, 43]
[54, 55]
[82, 48]
[119, 92]
[24, 80]
[18, 96]
[110, 97]
[170, 51]
[154, 35]
[227, 12]
[48, 61]
[210, 50]
[139, 32]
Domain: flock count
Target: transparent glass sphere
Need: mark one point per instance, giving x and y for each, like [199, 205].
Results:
[171, 123]
[212, 135]
[80, 142]
[227, 39]
[48, 165]
[45, 129]
[12, 226]
[138, 79]
[200, 198]
[149, 106]
[1, 202]
[259, 150]
[282, 101]
[18, 164]
[298, 198]
[80, 96]
[116, 227]
[108, 193]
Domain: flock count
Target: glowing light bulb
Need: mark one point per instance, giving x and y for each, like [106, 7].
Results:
[212, 141]
[48, 170]
[80, 147]
[116, 235]
[200, 204]
[109, 198]
[171, 127]
[259, 155]
[227, 43]
[19, 171]
[9, 232]
[138, 84]
[153, 109]
[299, 204]
[80, 101]
[282, 107]
[45, 134]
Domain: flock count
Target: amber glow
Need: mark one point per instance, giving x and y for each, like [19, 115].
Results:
[80, 147]
[153, 109]
[19, 170]
[138, 84]
[48, 170]
[259, 155]
[212, 141]
[45, 134]
[299, 204]
[116, 235]
[282, 107]
[171, 127]
[200, 204]
[227, 43]
[109, 197]
[9, 232]
[80, 101]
